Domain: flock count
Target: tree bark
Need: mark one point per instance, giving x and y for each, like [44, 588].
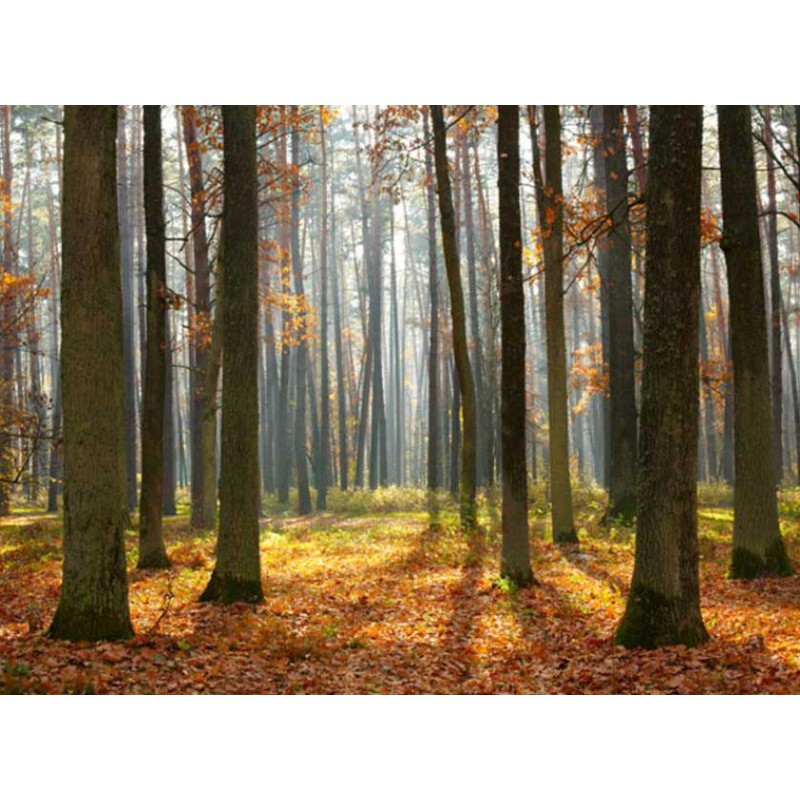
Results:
[664, 602]
[515, 561]
[757, 544]
[94, 593]
[622, 402]
[152, 552]
[550, 201]
[468, 504]
[237, 573]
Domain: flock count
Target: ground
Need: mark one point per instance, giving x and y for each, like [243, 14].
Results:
[371, 600]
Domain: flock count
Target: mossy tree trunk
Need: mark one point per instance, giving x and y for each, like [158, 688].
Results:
[622, 401]
[550, 203]
[469, 518]
[515, 560]
[237, 573]
[757, 544]
[664, 602]
[94, 593]
[152, 552]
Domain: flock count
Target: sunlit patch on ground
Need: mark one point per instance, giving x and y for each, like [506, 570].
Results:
[384, 603]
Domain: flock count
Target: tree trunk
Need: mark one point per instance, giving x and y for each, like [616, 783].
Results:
[664, 603]
[757, 544]
[301, 458]
[622, 402]
[152, 552]
[515, 562]
[434, 433]
[469, 518]
[128, 303]
[237, 573]
[776, 356]
[549, 195]
[324, 391]
[94, 594]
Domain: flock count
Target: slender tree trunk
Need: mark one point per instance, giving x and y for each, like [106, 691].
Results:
[7, 314]
[237, 573]
[200, 318]
[664, 602]
[469, 518]
[324, 391]
[515, 562]
[128, 303]
[757, 544]
[775, 303]
[94, 594]
[434, 434]
[549, 194]
[168, 500]
[301, 457]
[622, 404]
[152, 552]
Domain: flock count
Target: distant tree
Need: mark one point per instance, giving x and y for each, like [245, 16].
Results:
[758, 548]
[237, 573]
[550, 203]
[515, 560]
[152, 552]
[94, 593]
[469, 520]
[664, 602]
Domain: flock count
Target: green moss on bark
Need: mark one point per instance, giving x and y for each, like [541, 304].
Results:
[232, 590]
[653, 620]
[746, 564]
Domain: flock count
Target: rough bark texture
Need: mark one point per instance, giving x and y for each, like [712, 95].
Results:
[664, 602]
[237, 573]
[469, 519]
[515, 560]
[152, 553]
[549, 194]
[622, 401]
[94, 593]
[757, 544]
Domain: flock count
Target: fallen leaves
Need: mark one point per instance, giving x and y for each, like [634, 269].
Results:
[389, 605]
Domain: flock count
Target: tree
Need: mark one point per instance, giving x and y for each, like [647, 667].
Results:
[324, 392]
[469, 519]
[515, 560]
[757, 544]
[152, 553]
[550, 203]
[94, 592]
[664, 602]
[434, 414]
[237, 573]
[622, 401]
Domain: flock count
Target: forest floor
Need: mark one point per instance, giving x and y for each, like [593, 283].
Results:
[377, 602]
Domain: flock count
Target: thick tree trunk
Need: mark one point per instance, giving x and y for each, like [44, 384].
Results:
[515, 562]
[237, 573]
[152, 552]
[757, 544]
[549, 195]
[94, 593]
[622, 402]
[469, 517]
[664, 602]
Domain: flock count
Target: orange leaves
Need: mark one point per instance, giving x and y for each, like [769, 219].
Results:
[710, 232]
